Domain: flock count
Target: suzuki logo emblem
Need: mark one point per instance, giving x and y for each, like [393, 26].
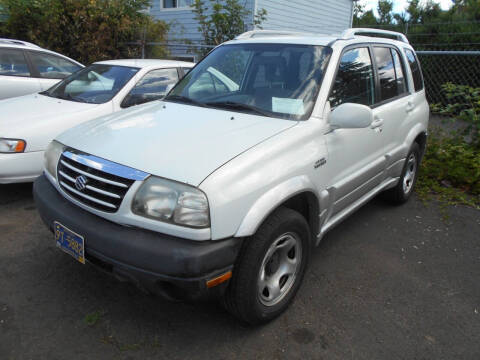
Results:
[81, 182]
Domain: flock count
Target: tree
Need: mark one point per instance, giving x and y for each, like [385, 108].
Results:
[224, 21]
[86, 30]
[366, 19]
[384, 9]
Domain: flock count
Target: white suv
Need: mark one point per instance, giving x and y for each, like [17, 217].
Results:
[26, 68]
[227, 185]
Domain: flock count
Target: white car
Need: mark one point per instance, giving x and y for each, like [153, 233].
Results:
[224, 187]
[29, 123]
[26, 68]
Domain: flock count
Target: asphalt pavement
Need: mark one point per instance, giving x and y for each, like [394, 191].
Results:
[388, 283]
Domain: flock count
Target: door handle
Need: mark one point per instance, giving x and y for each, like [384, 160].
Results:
[377, 122]
[410, 107]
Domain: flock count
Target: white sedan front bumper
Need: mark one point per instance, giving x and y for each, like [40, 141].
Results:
[22, 167]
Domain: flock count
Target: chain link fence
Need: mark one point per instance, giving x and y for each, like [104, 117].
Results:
[440, 67]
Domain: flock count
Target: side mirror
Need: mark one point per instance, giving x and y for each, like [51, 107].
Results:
[351, 116]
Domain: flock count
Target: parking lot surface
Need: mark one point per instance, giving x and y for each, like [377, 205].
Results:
[388, 283]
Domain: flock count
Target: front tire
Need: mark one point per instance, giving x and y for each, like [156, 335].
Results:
[270, 268]
[404, 189]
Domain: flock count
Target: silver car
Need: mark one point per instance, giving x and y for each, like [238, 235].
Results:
[26, 68]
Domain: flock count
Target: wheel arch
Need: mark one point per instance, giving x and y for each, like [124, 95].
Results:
[297, 193]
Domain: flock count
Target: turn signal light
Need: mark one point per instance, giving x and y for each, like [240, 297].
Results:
[20, 146]
[219, 279]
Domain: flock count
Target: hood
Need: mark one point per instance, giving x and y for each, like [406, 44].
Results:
[175, 141]
[37, 119]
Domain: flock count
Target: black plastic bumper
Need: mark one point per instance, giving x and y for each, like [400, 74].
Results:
[171, 266]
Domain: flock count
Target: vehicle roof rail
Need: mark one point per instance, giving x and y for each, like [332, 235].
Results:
[18, 42]
[350, 33]
[260, 33]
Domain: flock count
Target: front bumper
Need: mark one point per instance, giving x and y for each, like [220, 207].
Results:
[21, 167]
[163, 264]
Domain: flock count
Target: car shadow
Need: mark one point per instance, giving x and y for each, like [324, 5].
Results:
[10, 193]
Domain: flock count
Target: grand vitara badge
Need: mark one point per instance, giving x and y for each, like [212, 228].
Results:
[81, 182]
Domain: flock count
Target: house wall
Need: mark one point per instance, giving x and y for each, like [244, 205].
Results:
[320, 16]
[183, 25]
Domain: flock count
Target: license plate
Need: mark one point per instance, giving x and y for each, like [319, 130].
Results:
[70, 242]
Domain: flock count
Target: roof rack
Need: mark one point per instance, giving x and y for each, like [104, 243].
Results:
[17, 42]
[350, 33]
[261, 33]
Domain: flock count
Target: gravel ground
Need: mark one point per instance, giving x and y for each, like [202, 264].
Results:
[388, 283]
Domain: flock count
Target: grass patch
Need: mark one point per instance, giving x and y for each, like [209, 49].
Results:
[450, 170]
[93, 318]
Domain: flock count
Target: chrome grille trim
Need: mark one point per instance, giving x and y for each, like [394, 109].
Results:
[93, 176]
[96, 183]
[103, 192]
[105, 166]
[87, 197]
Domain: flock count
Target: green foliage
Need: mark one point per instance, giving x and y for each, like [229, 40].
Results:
[93, 318]
[451, 166]
[451, 169]
[224, 21]
[464, 105]
[384, 9]
[86, 30]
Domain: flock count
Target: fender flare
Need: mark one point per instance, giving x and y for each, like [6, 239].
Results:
[273, 198]
[413, 134]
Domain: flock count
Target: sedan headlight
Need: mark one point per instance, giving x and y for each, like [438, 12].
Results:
[12, 145]
[172, 202]
[52, 155]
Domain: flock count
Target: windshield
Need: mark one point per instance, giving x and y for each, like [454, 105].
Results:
[95, 84]
[276, 80]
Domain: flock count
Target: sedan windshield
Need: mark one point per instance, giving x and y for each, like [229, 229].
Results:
[276, 80]
[95, 84]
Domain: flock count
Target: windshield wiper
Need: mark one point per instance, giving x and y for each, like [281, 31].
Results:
[185, 100]
[68, 97]
[239, 106]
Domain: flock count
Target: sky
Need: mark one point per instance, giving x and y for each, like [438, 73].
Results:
[399, 5]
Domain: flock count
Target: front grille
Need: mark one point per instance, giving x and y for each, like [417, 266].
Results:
[102, 190]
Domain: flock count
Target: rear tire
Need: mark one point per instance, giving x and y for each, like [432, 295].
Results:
[404, 189]
[270, 268]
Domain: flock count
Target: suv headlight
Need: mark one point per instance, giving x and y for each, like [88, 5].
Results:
[12, 145]
[52, 155]
[172, 202]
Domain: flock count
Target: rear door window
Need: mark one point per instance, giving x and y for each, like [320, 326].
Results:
[355, 82]
[13, 63]
[390, 73]
[51, 66]
[415, 68]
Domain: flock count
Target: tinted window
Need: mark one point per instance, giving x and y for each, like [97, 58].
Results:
[95, 84]
[355, 81]
[51, 66]
[392, 80]
[153, 86]
[415, 68]
[13, 63]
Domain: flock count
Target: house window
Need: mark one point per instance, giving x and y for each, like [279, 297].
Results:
[172, 4]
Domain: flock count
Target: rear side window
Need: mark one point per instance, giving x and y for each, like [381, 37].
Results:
[13, 63]
[390, 73]
[415, 68]
[355, 82]
[51, 66]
